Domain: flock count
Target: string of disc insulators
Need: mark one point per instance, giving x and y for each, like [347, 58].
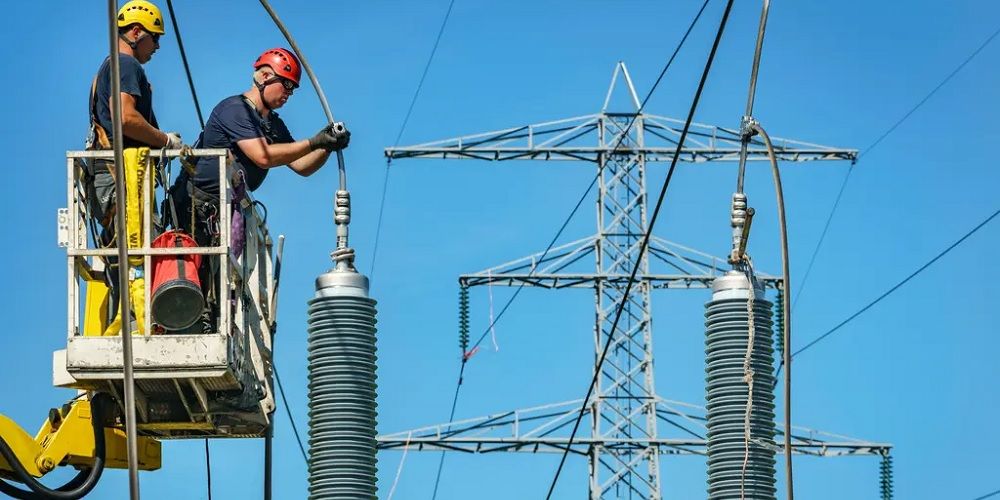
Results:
[779, 324]
[885, 477]
[463, 319]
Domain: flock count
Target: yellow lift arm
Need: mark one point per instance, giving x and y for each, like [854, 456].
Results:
[76, 435]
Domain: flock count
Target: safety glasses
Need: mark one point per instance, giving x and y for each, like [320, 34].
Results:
[288, 85]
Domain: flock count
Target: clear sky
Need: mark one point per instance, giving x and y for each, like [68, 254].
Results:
[919, 370]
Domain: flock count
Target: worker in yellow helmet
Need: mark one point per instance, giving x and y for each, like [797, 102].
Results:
[140, 26]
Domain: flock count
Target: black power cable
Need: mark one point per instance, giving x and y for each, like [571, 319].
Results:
[895, 287]
[988, 495]
[898, 285]
[288, 411]
[187, 71]
[645, 243]
[77, 487]
[565, 223]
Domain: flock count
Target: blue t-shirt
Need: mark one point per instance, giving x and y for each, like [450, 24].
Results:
[134, 83]
[233, 120]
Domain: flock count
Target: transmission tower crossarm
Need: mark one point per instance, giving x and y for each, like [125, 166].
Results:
[577, 139]
[561, 267]
[543, 429]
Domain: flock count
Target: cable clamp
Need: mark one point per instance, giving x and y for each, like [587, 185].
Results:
[747, 128]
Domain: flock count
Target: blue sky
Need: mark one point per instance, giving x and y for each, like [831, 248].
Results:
[919, 370]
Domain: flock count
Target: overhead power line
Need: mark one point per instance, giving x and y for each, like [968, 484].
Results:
[988, 495]
[645, 244]
[897, 285]
[873, 145]
[399, 135]
[187, 69]
[288, 411]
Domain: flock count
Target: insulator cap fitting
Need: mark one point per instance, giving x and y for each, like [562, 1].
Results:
[342, 207]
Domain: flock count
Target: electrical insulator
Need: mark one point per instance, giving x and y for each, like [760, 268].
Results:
[885, 477]
[463, 319]
[727, 322]
[779, 324]
[342, 388]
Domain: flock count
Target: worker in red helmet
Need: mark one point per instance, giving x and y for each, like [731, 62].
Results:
[247, 125]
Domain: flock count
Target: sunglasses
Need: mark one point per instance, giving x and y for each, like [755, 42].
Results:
[154, 36]
[286, 83]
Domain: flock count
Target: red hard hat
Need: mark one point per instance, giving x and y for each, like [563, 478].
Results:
[283, 62]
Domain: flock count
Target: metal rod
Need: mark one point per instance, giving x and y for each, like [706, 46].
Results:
[273, 311]
[342, 229]
[751, 94]
[123, 288]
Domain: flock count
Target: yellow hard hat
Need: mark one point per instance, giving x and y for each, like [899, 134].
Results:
[143, 13]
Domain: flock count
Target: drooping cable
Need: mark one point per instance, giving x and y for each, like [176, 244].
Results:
[399, 135]
[897, 286]
[288, 411]
[876, 142]
[645, 244]
[786, 311]
[343, 256]
[187, 71]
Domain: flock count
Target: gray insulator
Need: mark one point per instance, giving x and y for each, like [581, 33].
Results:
[727, 329]
[342, 389]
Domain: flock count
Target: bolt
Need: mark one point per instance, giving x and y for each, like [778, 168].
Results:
[46, 464]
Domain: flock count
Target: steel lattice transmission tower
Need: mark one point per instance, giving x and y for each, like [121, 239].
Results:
[625, 443]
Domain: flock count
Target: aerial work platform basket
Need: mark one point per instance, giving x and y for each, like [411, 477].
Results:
[216, 384]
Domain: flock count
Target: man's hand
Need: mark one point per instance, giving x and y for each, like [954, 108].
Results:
[173, 141]
[332, 137]
[342, 135]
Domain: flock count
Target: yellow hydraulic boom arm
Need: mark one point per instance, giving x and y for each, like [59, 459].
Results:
[79, 434]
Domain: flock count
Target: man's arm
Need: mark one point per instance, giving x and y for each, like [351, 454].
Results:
[266, 155]
[135, 127]
[310, 163]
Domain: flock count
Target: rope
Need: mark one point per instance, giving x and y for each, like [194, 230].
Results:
[878, 141]
[399, 471]
[493, 332]
[399, 135]
[748, 375]
[645, 240]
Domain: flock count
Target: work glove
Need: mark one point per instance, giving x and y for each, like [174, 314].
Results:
[332, 137]
[173, 141]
